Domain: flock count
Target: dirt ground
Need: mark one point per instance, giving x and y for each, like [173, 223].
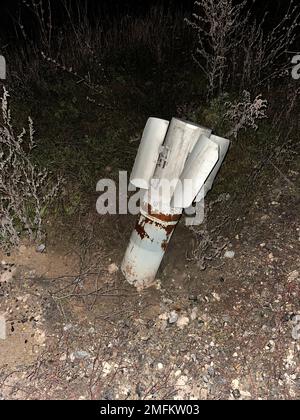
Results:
[220, 323]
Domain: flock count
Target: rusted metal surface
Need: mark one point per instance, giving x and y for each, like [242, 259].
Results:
[147, 246]
[161, 216]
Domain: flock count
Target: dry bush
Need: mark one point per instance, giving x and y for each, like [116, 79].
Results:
[246, 113]
[219, 27]
[264, 52]
[25, 190]
[234, 50]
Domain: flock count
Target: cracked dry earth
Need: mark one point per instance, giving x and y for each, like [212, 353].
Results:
[75, 330]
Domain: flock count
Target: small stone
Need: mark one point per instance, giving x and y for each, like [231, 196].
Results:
[296, 329]
[294, 276]
[68, 327]
[163, 317]
[216, 296]
[194, 314]
[80, 354]
[182, 381]
[158, 284]
[246, 394]
[182, 322]
[235, 384]
[173, 318]
[107, 367]
[160, 366]
[112, 268]
[211, 371]
[41, 248]
[226, 318]
[229, 254]
[204, 394]
[2, 327]
[271, 346]
[236, 394]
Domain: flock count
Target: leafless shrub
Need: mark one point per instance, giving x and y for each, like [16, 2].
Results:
[263, 55]
[231, 47]
[246, 113]
[25, 190]
[219, 25]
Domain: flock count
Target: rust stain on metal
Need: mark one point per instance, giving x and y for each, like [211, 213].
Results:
[140, 226]
[169, 230]
[140, 229]
[163, 217]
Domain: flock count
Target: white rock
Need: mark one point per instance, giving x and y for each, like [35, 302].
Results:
[182, 322]
[204, 394]
[296, 329]
[163, 317]
[41, 248]
[194, 313]
[2, 327]
[80, 354]
[229, 254]
[216, 296]
[173, 317]
[271, 346]
[112, 268]
[182, 381]
[107, 367]
[68, 327]
[294, 276]
[235, 384]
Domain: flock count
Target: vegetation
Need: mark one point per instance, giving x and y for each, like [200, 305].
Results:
[90, 86]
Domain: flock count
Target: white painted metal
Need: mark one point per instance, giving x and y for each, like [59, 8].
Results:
[200, 164]
[183, 151]
[148, 152]
[180, 141]
[202, 131]
[147, 247]
[223, 148]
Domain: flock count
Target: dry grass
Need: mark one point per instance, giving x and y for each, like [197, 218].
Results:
[25, 190]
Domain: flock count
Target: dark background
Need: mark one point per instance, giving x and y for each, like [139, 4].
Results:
[10, 10]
